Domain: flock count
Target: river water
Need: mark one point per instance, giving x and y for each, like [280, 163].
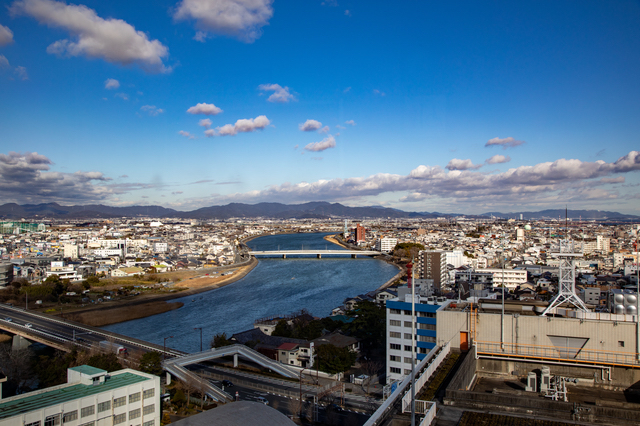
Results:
[275, 287]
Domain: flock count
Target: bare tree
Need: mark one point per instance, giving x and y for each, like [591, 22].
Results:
[16, 366]
[371, 368]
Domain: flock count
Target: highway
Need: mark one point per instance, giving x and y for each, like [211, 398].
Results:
[59, 333]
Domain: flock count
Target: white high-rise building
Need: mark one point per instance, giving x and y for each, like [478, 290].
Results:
[386, 244]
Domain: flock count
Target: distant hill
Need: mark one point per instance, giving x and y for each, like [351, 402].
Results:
[313, 210]
[571, 214]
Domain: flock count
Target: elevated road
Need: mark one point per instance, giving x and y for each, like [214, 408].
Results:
[317, 253]
[63, 334]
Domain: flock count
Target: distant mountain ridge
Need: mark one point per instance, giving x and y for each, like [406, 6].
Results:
[311, 210]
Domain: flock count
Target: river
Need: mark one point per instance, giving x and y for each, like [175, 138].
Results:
[275, 287]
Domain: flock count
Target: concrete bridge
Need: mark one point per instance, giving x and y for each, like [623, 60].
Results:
[317, 253]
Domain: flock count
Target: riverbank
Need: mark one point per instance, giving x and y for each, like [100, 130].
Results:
[146, 305]
[402, 270]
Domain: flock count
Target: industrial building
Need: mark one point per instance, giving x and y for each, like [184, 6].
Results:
[91, 396]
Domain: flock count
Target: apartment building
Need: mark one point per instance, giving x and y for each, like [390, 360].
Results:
[399, 321]
[432, 265]
[386, 244]
[512, 278]
[91, 396]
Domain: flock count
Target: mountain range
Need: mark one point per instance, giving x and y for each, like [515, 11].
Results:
[312, 210]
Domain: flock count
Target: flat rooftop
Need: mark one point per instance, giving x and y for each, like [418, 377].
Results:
[40, 399]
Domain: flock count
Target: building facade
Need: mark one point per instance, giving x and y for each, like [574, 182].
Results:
[90, 397]
[399, 320]
[386, 244]
[432, 265]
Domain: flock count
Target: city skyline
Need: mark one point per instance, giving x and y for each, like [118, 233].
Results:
[456, 107]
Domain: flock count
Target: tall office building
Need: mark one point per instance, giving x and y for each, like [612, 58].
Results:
[360, 234]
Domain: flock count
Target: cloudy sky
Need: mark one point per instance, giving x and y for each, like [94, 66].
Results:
[420, 105]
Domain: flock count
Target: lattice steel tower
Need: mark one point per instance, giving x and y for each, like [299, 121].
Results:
[566, 279]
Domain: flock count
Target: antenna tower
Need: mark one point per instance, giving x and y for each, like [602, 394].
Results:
[566, 276]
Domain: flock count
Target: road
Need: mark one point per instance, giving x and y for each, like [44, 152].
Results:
[58, 332]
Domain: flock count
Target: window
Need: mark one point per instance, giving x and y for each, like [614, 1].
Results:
[395, 311]
[406, 312]
[119, 402]
[395, 370]
[88, 424]
[134, 414]
[70, 416]
[395, 323]
[52, 420]
[621, 343]
[407, 371]
[394, 346]
[104, 406]
[407, 336]
[148, 409]
[394, 358]
[429, 339]
[149, 423]
[407, 324]
[407, 348]
[119, 418]
[427, 327]
[88, 411]
[37, 423]
[395, 334]
[148, 393]
[428, 314]
[134, 397]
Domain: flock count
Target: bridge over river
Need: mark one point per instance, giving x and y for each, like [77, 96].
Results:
[317, 253]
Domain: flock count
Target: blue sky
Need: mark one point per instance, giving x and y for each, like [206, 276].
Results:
[461, 107]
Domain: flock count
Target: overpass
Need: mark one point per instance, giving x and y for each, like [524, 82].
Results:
[317, 253]
[177, 367]
[63, 334]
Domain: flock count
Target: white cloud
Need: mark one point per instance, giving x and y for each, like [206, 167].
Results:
[151, 110]
[122, 96]
[326, 143]
[242, 19]
[210, 133]
[6, 36]
[113, 40]
[326, 129]
[310, 125]
[497, 159]
[504, 143]
[544, 184]
[244, 125]
[280, 94]
[186, 134]
[21, 73]
[205, 109]
[457, 164]
[205, 122]
[4, 62]
[350, 122]
[111, 83]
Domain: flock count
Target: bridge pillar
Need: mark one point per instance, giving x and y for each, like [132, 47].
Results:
[235, 360]
[19, 342]
[168, 378]
[319, 256]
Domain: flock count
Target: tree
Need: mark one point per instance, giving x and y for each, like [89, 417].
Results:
[108, 362]
[220, 340]
[332, 359]
[15, 365]
[369, 325]
[151, 363]
[282, 329]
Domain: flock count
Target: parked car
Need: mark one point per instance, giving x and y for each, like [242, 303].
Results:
[227, 383]
[7, 319]
[262, 400]
[28, 325]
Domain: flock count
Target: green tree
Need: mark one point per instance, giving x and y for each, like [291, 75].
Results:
[107, 362]
[282, 329]
[151, 363]
[332, 359]
[220, 340]
[369, 326]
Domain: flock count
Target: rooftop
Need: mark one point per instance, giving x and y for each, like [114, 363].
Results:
[60, 394]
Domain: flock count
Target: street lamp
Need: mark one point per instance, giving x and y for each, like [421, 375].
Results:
[199, 328]
[164, 346]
